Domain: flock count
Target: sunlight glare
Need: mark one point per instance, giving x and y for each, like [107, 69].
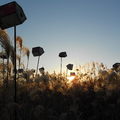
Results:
[70, 79]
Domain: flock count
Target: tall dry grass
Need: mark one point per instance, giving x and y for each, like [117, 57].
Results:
[93, 94]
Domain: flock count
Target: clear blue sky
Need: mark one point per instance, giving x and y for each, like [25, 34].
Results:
[88, 30]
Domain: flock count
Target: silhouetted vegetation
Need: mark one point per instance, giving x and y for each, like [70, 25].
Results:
[93, 94]
[89, 96]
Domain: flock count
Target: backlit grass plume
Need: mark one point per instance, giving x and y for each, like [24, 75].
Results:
[5, 42]
[26, 52]
[18, 58]
[19, 42]
[7, 45]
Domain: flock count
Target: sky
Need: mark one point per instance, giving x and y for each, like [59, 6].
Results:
[88, 30]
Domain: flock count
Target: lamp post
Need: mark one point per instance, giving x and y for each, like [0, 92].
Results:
[62, 55]
[11, 15]
[37, 51]
[69, 67]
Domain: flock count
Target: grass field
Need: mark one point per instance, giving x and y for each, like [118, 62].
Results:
[91, 95]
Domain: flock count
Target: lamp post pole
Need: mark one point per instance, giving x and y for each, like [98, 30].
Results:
[69, 67]
[66, 72]
[37, 51]
[37, 64]
[3, 65]
[61, 67]
[15, 98]
[62, 55]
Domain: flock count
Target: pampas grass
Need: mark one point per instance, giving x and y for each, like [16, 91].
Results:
[79, 99]
[94, 94]
[26, 52]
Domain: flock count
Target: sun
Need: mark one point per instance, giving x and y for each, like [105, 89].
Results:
[70, 79]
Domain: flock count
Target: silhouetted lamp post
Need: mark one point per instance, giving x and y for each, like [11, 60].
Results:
[69, 67]
[37, 51]
[11, 15]
[62, 55]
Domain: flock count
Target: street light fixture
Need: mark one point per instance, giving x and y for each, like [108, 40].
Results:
[69, 67]
[11, 14]
[37, 51]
